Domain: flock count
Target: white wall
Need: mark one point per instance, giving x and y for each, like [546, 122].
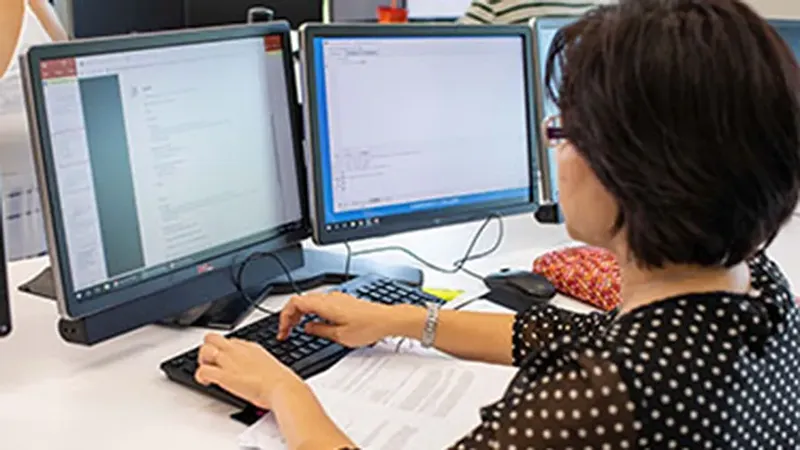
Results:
[789, 9]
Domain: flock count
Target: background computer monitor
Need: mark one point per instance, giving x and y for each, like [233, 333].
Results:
[415, 126]
[436, 10]
[356, 10]
[201, 13]
[545, 29]
[163, 161]
[790, 32]
[93, 18]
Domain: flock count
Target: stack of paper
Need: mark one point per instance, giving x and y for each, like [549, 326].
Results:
[413, 399]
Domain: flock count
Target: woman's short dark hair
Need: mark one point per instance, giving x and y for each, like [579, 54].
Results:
[688, 112]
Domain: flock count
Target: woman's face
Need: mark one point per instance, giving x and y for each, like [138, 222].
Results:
[589, 209]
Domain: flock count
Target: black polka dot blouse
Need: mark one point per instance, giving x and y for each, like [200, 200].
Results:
[705, 371]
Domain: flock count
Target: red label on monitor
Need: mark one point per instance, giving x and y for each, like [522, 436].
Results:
[273, 43]
[58, 68]
[204, 268]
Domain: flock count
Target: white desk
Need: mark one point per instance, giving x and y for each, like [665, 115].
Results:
[57, 396]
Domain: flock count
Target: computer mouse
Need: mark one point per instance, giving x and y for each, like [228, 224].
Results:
[518, 289]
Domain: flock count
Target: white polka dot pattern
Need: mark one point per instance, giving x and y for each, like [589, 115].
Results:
[706, 371]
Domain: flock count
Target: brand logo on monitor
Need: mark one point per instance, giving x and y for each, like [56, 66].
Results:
[203, 268]
[273, 43]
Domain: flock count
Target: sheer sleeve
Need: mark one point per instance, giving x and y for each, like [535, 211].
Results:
[538, 327]
[582, 404]
[479, 12]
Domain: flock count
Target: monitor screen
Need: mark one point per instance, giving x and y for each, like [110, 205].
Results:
[437, 9]
[419, 128]
[790, 32]
[160, 160]
[545, 29]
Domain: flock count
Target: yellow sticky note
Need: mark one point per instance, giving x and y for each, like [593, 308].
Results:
[444, 294]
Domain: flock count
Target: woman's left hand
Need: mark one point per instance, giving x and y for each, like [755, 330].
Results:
[244, 369]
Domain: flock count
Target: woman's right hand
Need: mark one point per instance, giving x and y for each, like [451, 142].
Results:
[347, 320]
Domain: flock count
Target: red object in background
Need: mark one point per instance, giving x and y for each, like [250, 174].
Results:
[389, 14]
[588, 274]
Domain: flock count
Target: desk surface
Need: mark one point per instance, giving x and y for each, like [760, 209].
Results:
[59, 396]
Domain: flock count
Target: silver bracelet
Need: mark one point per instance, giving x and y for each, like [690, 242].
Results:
[431, 321]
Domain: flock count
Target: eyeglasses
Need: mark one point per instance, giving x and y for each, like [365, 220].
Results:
[553, 131]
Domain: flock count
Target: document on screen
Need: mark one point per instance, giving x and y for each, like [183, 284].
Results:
[385, 400]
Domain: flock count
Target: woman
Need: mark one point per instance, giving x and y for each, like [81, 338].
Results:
[680, 153]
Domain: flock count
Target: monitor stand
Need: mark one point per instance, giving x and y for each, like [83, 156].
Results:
[316, 268]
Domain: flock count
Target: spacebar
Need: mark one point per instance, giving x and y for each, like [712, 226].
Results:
[325, 353]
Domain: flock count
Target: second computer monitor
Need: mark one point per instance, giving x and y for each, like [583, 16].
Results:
[415, 126]
[545, 29]
[163, 158]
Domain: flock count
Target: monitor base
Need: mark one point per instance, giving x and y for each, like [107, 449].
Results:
[318, 268]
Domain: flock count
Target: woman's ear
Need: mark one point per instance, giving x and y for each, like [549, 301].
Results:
[12, 13]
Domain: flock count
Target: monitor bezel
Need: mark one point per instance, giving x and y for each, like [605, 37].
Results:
[279, 237]
[429, 218]
[536, 24]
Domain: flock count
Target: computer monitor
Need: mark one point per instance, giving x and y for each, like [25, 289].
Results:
[164, 160]
[544, 30]
[95, 18]
[201, 13]
[790, 32]
[356, 10]
[416, 126]
[436, 10]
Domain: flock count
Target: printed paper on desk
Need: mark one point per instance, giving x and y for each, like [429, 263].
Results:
[397, 401]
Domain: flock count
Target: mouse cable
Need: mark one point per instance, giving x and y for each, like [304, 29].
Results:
[237, 279]
[459, 265]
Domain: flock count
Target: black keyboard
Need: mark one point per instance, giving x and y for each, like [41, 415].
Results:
[305, 354]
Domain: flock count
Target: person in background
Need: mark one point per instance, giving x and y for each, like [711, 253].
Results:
[505, 12]
[18, 17]
[679, 151]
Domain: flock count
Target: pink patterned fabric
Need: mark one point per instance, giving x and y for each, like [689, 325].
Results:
[587, 274]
